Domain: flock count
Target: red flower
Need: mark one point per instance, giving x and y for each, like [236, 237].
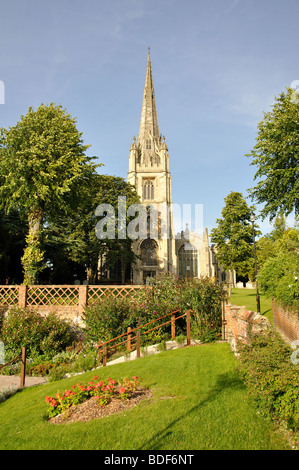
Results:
[121, 390]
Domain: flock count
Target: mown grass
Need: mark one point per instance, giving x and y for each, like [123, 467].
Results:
[198, 403]
[247, 297]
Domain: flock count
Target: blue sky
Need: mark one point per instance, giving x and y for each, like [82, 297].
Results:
[217, 66]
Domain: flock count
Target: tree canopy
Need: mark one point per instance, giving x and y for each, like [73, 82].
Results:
[233, 235]
[43, 167]
[73, 237]
[276, 157]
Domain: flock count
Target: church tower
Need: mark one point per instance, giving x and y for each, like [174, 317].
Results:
[149, 174]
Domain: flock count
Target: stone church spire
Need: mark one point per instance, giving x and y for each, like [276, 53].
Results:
[149, 120]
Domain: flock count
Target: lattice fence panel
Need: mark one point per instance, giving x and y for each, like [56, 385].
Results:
[96, 293]
[9, 295]
[52, 295]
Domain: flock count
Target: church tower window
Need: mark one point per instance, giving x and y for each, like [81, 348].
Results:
[148, 190]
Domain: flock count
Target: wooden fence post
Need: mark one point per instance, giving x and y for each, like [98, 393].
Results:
[173, 326]
[104, 355]
[128, 339]
[188, 328]
[138, 343]
[22, 301]
[23, 368]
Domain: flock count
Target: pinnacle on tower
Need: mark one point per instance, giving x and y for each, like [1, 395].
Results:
[149, 119]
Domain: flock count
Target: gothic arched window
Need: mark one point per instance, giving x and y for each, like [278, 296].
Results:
[148, 190]
[149, 253]
[188, 266]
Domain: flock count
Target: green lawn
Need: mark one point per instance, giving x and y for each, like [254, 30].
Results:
[199, 403]
[247, 297]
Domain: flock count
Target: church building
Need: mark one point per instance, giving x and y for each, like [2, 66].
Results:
[185, 254]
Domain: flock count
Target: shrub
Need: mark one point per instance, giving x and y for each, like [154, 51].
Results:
[279, 278]
[111, 316]
[41, 335]
[105, 319]
[203, 296]
[271, 377]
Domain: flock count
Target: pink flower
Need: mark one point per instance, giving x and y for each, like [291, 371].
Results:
[121, 390]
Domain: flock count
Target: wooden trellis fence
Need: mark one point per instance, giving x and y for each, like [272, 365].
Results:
[65, 297]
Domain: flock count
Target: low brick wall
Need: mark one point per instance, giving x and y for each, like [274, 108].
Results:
[239, 324]
[286, 322]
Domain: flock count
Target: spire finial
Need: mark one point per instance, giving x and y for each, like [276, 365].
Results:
[149, 119]
[149, 50]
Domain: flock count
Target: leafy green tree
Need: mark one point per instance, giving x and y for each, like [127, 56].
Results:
[118, 250]
[266, 246]
[275, 156]
[233, 235]
[71, 238]
[43, 168]
[279, 276]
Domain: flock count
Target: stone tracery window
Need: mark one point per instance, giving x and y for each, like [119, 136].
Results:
[148, 190]
[149, 253]
[188, 264]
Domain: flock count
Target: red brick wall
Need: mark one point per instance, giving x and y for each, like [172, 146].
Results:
[285, 322]
[239, 324]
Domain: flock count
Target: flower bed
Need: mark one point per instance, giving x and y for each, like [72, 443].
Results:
[95, 396]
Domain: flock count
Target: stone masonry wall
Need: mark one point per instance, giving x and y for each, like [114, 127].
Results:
[239, 324]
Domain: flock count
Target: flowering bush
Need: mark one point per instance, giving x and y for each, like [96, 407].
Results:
[100, 390]
[110, 317]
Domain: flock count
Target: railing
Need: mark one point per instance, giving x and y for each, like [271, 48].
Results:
[22, 356]
[103, 348]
